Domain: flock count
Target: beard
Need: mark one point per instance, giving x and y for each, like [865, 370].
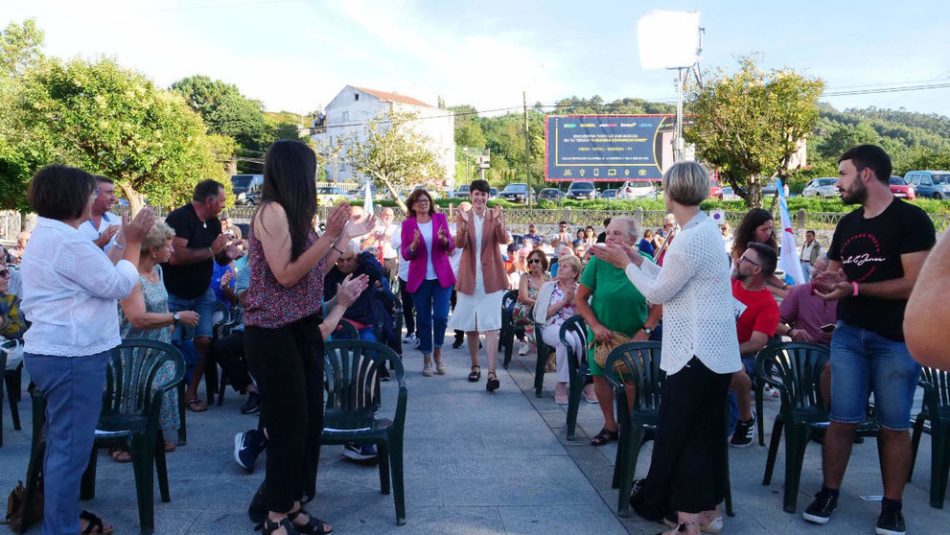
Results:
[857, 194]
[739, 276]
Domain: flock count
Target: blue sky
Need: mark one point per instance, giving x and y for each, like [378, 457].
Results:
[297, 54]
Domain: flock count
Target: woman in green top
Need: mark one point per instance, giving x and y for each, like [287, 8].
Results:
[609, 302]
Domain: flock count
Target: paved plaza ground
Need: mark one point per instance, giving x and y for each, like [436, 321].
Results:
[476, 463]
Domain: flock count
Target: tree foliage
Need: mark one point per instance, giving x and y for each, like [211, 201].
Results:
[394, 154]
[112, 121]
[227, 112]
[749, 124]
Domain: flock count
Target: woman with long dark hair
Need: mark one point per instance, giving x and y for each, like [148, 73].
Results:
[758, 226]
[282, 337]
[426, 244]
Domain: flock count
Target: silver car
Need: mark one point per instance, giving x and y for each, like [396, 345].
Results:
[821, 187]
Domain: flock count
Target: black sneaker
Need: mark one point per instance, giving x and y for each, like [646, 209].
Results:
[742, 436]
[252, 404]
[365, 454]
[247, 447]
[458, 342]
[891, 521]
[821, 509]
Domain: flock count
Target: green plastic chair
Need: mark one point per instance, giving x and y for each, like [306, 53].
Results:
[577, 366]
[642, 360]
[544, 351]
[508, 328]
[794, 369]
[130, 416]
[353, 394]
[935, 410]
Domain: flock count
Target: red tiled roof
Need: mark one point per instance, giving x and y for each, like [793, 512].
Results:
[394, 97]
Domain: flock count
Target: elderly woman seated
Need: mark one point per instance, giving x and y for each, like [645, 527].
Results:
[554, 305]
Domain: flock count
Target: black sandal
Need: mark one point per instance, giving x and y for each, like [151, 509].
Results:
[314, 527]
[476, 374]
[603, 437]
[493, 382]
[269, 526]
[95, 526]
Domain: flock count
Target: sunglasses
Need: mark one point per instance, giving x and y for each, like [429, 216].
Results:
[4, 273]
[744, 259]
[534, 260]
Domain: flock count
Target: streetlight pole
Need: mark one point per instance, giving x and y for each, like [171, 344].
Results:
[527, 148]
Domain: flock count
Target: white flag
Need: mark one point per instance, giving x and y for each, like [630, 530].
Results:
[788, 261]
[368, 201]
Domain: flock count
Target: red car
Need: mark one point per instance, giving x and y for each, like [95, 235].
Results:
[901, 189]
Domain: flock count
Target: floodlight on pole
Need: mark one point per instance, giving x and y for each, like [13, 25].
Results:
[671, 40]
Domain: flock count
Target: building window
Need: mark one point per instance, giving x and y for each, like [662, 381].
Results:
[356, 96]
[346, 116]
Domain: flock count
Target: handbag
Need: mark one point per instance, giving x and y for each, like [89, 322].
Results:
[16, 507]
[14, 350]
[602, 351]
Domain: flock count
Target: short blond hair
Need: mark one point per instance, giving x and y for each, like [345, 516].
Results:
[572, 261]
[687, 183]
[157, 237]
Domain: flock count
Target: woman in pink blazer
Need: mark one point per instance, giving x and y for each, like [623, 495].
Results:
[426, 244]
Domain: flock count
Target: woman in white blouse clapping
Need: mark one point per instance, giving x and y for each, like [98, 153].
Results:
[700, 352]
[70, 290]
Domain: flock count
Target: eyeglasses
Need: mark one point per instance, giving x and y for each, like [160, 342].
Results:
[534, 260]
[745, 259]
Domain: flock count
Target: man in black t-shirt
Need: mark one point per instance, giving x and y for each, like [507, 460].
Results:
[875, 256]
[197, 244]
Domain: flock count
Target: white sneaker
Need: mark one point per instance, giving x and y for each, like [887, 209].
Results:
[524, 349]
[410, 339]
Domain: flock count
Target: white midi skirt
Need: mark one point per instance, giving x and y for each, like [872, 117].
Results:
[478, 312]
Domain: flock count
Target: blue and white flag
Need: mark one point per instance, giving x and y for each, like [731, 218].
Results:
[788, 261]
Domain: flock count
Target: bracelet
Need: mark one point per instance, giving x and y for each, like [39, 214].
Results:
[119, 246]
[210, 250]
[335, 248]
[854, 286]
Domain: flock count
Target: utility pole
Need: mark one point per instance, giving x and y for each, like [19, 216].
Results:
[527, 148]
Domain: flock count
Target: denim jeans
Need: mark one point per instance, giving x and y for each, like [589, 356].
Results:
[432, 314]
[73, 388]
[203, 304]
[862, 362]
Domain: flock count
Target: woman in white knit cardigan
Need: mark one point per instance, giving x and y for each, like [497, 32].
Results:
[700, 352]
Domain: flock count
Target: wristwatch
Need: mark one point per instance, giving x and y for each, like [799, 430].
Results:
[176, 317]
[647, 330]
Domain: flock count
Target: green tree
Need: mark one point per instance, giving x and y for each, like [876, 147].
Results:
[19, 51]
[115, 122]
[229, 113]
[393, 154]
[749, 124]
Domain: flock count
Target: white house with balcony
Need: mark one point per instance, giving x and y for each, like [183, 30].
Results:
[347, 116]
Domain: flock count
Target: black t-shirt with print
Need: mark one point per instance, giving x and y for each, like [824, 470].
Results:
[191, 280]
[870, 251]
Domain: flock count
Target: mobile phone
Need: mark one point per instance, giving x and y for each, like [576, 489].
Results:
[827, 328]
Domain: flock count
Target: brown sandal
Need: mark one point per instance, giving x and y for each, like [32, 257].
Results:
[475, 375]
[121, 456]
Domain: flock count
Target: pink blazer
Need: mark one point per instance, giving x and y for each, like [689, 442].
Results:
[419, 259]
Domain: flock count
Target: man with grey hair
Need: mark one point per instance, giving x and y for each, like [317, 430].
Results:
[382, 238]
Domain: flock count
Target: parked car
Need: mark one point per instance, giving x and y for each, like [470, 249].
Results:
[492, 193]
[821, 187]
[636, 189]
[900, 188]
[460, 192]
[728, 194]
[772, 188]
[247, 188]
[609, 193]
[550, 194]
[715, 189]
[517, 192]
[329, 195]
[581, 190]
[935, 184]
